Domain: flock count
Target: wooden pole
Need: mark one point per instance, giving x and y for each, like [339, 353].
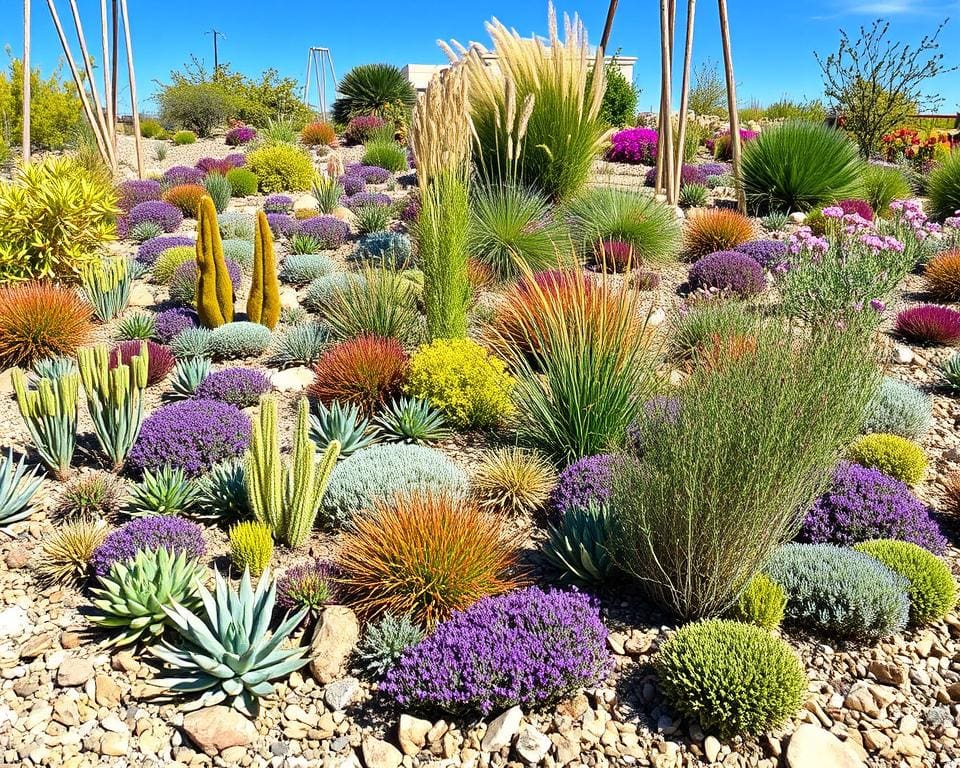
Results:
[735, 142]
[107, 90]
[685, 88]
[666, 136]
[115, 59]
[88, 68]
[25, 138]
[133, 89]
[608, 25]
[78, 81]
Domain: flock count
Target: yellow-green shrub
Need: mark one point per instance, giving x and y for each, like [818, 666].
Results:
[55, 114]
[463, 380]
[251, 546]
[762, 603]
[184, 137]
[281, 168]
[891, 454]
[55, 217]
[168, 261]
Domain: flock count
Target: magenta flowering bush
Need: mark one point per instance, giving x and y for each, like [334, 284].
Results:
[241, 387]
[360, 129]
[221, 165]
[584, 482]
[160, 360]
[731, 271]
[863, 504]
[191, 435]
[862, 208]
[148, 251]
[148, 533]
[309, 585]
[529, 648]
[240, 135]
[329, 230]
[637, 146]
[167, 216]
[132, 192]
[721, 148]
[929, 323]
[170, 322]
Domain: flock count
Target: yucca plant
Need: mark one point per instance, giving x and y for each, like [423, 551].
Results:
[299, 344]
[65, 554]
[136, 327]
[106, 285]
[132, 596]
[167, 491]
[188, 376]
[513, 480]
[344, 423]
[225, 651]
[383, 303]
[578, 548]
[17, 487]
[50, 414]
[114, 398]
[303, 242]
[222, 493]
[327, 192]
[511, 225]
[412, 420]
[798, 165]
[372, 218]
[371, 89]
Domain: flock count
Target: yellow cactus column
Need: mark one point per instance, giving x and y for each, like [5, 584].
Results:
[214, 287]
[263, 303]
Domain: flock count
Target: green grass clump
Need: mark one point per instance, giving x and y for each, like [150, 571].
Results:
[943, 188]
[385, 154]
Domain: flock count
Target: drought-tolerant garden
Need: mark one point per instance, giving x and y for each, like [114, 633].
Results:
[433, 434]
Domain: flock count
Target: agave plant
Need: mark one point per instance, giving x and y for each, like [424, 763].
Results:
[341, 422]
[132, 596]
[17, 487]
[578, 547]
[411, 420]
[226, 652]
[188, 375]
[166, 492]
[54, 368]
[222, 493]
[139, 326]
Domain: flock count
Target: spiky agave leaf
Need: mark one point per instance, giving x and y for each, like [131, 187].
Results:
[17, 487]
[226, 653]
[412, 420]
[344, 423]
[165, 492]
[578, 548]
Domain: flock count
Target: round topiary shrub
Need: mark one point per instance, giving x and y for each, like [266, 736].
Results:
[932, 590]
[529, 648]
[135, 191]
[191, 435]
[716, 229]
[394, 249]
[278, 204]
[281, 168]
[239, 339]
[839, 593]
[379, 473]
[734, 678]
[900, 409]
[763, 603]
[174, 534]
[729, 271]
[149, 250]
[929, 324]
[893, 455]
[864, 503]
[463, 380]
[241, 387]
[300, 269]
[169, 260]
[243, 182]
[585, 482]
[186, 197]
[182, 174]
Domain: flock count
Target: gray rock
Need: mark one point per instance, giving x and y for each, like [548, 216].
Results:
[532, 745]
[340, 693]
[501, 731]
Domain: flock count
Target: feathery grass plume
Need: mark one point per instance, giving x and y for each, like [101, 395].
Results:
[65, 555]
[537, 113]
[440, 136]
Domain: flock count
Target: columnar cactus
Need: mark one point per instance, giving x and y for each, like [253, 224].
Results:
[50, 413]
[114, 398]
[106, 285]
[263, 304]
[285, 495]
[214, 288]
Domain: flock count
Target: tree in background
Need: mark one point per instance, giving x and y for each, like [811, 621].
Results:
[708, 96]
[619, 106]
[875, 83]
[56, 117]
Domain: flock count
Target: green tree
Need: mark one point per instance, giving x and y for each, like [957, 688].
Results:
[55, 112]
[619, 105]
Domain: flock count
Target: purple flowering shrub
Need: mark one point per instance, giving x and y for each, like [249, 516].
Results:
[147, 533]
[360, 199]
[181, 174]
[689, 174]
[241, 387]
[170, 322]
[132, 192]
[585, 481]
[309, 585]
[864, 504]
[240, 135]
[169, 217]
[329, 230]
[278, 204]
[221, 165]
[282, 224]
[637, 146]
[352, 185]
[371, 174]
[529, 648]
[151, 249]
[767, 253]
[727, 271]
[191, 435]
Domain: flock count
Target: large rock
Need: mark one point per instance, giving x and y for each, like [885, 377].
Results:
[340, 693]
[305, 203]
[292, 379]
[13, 621]
[140, 296]
[412, 734]
[334, 639]
[812, 747]
[74, 672]
[378, 753]
[532, 745]
[501, 731]
[215, 729]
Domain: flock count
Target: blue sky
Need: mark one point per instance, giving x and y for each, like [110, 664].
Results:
[773, 42]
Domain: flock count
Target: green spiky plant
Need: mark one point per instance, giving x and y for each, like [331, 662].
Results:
[188, 375]
[114, 398]
[133, 595]
[168, 491]
[943, 188]
[412, 420]
[385, 640]
[371, 89]
[577, 548]
[263, 304]
[343, 423]
[214, 288]
[327, 191]
[50, 414]
[285, 495]
[251, 546]
[138, 326]
[225, 652]
[222, 493]
[106, 285]
[17, 487]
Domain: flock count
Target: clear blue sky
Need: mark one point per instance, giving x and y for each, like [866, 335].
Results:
[773, 41]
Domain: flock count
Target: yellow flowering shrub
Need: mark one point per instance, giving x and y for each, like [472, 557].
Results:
[463, 380]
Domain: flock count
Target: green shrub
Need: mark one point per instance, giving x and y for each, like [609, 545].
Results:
[385, 640]
[168, 261]
[619, 105]
[732, 677]
[235, 225]
[762, 603]
[791, 401]
[239, 339]
[695, 332]
[281, 167]
[56, 116]
[891, 454]
[797, 166]
[251, 546]
[372, 218]
[152, 129]
[932, 590]
[882, 185]
[385, 154]
[240, 251]
[382, 303]
[839, 593]
[199, 107]
[324, 289]
[943, 188]
[300, 269]
[219, 190]
[184, 137]
[370, 89]
[899, 408]
[243, 182]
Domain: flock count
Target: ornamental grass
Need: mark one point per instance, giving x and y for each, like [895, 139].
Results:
[41, 319]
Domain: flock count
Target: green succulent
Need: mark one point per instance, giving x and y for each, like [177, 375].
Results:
[136, 327]
[191, 342]
[144, 230]
[385, 640]
[17, 487]
[166, 492]
[54, 368]
[412, 420]
[300, 344]
[950, 370]
[342, 423]
[188, 375]
[577, 548]
[222, 493]
[226, 652]
[134, 595]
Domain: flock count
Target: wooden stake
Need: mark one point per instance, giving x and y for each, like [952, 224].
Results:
[608, 25]
[115, 32]
[133, 89]
[101, 120]
[107, 95]
[78, 81]
[25, 138]
[735, 143]
[685, 89]
[666, 137]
